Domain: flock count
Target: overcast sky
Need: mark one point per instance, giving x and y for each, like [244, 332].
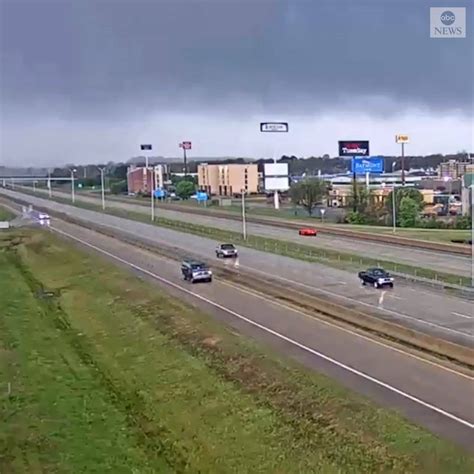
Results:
[89, 80]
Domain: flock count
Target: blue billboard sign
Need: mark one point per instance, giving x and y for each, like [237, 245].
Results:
[371, 164]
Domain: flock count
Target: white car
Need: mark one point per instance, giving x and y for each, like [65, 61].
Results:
[226, 251]
[44, 218]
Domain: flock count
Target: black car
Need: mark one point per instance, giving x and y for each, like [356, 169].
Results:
[194, 271]
[376, 277]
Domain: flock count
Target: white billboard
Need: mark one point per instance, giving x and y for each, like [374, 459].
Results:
[276, 169]
[280, 183]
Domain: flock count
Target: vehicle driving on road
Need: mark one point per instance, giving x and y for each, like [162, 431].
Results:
[194, 271]
[226, 251]
[377, 277]
[308, 232]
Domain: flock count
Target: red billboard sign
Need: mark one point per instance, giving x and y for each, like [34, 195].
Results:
[185, 145]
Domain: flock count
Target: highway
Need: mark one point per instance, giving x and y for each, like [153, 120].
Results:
[442, 262]
[432, 312]
[436, 397]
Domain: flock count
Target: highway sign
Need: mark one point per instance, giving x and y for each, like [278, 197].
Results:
[274, 126]
[276, 177]
[145, 147]
[185, 145]
[353, 148]
[402, 139]
[372, 164]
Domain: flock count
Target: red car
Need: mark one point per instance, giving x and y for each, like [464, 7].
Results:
[308, 232]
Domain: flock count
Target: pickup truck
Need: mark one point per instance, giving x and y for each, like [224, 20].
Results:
[195, 271]
[377, 277]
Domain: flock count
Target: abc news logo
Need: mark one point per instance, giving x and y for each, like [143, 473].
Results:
[448, 22]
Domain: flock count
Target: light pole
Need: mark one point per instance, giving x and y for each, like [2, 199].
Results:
[152, 193]
[73, 196]
[394, 210]
[102, 187]
[34, 186]
[49, 184]
[244, 219]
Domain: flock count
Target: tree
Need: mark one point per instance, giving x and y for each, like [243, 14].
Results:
[359, 200]
[409, 211]
[400, 193]
[308, 193]
[119, 187]
[185, 189]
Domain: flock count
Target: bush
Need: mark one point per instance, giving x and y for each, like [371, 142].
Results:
[119, 187]
[355, 217]
[463, 222]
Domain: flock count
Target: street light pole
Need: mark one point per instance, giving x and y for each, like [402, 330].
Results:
[102, 184]
[49, 185]
[152, 193]
[403, 164]
[244, 219]
[73, 196]
[394, 210]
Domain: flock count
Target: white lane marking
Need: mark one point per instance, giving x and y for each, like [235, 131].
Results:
[462, 315]
[336, 295]
[363, 303]
[343, 329]
[276, 334]
[327, 323]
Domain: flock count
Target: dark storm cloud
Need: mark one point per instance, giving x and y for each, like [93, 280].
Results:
[97, 57]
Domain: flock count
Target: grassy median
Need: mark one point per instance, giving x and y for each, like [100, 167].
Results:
[101, 372]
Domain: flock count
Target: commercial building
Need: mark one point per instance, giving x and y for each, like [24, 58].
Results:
[143, 180]
[228, 180]
[454, 169]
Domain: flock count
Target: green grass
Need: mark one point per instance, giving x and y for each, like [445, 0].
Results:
[109, 374]
[328, 257]
[5, 214]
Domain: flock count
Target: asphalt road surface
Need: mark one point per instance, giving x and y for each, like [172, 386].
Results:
[440, 399]
[442, 262]
[435, 313]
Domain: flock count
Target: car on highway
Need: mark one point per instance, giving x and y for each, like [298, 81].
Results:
[377, 277]
[226, 251]
[195, 271]
[308, 232]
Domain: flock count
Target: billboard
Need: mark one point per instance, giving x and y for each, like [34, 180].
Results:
[145, 147]
[185, 145]
[277, 183]
[276, 169]
[402, 139]
[372, 164]
[276, 177]
[274, 126]
[354, 148]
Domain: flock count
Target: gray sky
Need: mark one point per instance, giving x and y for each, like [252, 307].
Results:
[90, 80]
